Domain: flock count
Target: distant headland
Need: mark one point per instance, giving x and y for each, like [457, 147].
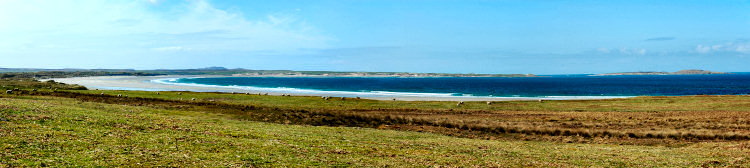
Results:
[221, 71]
[681, 72]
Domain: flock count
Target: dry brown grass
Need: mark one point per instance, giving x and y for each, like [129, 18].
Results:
[644, 126]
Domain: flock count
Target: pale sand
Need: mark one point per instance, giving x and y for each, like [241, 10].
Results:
[144, 83]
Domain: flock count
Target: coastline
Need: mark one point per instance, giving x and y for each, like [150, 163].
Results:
[145, 83]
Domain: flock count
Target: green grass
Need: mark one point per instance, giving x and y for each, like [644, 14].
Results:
[640, 120]
[49, 131]
[637, 104]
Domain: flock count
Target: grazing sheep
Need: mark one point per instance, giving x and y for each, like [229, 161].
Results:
[394, 99]
[329, 97]
[8, 92]
[193, 99]
[265, 94]
[232, 92]
[179, 93]
[247, 93]
[343, 98]
[489, 103]
[33, 90]
[460, 103]
[357, 98]
[119, 95]
[540, 100]
[101, 93]
[157, 93]
[322, 97]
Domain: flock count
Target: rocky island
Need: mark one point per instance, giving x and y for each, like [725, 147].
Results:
[681, 72]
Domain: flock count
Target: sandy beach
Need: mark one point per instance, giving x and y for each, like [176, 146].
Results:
[146, 83]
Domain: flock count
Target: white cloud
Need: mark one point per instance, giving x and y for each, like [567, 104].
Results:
[146, 25]
[625, 51]
[603, 50]
[739, 47]
[171, 48]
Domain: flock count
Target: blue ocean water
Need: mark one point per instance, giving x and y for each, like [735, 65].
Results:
[554, 85]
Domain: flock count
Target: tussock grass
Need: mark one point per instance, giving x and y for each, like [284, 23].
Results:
[61, 132]
[682, 118]
[66, 127]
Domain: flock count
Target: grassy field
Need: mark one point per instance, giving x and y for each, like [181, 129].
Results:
[136, 128]
[51, 131]
[641, 120]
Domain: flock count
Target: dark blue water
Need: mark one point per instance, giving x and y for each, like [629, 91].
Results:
[574, 85]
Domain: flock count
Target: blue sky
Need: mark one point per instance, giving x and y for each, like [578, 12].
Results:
[458, 36]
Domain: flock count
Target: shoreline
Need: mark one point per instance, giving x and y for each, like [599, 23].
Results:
[145, 83]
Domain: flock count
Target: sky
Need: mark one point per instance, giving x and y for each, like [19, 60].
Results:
[445, 36]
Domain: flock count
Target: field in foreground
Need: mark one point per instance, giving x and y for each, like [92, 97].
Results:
[640, 120]
[54, 124]
[54, 131]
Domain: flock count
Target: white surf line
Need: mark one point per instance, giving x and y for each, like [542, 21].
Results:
[173, 81]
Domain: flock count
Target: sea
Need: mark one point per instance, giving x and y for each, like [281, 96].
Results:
[547, 86]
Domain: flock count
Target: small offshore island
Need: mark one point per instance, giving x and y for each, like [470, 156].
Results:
[681, 72]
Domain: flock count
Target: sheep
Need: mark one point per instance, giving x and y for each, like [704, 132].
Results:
[541, 100]
[119, 95]
[460, 103]
[489, 103]
[232, 92]
[357, 98]
[33, 90]
[179, 93]
[328, 97]
[101, 93]
[322, 97]
[193, 99]
[265, 94]
[343, 98]
[16, 89]
[394, 99]
[248, 93]
[8, 92]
